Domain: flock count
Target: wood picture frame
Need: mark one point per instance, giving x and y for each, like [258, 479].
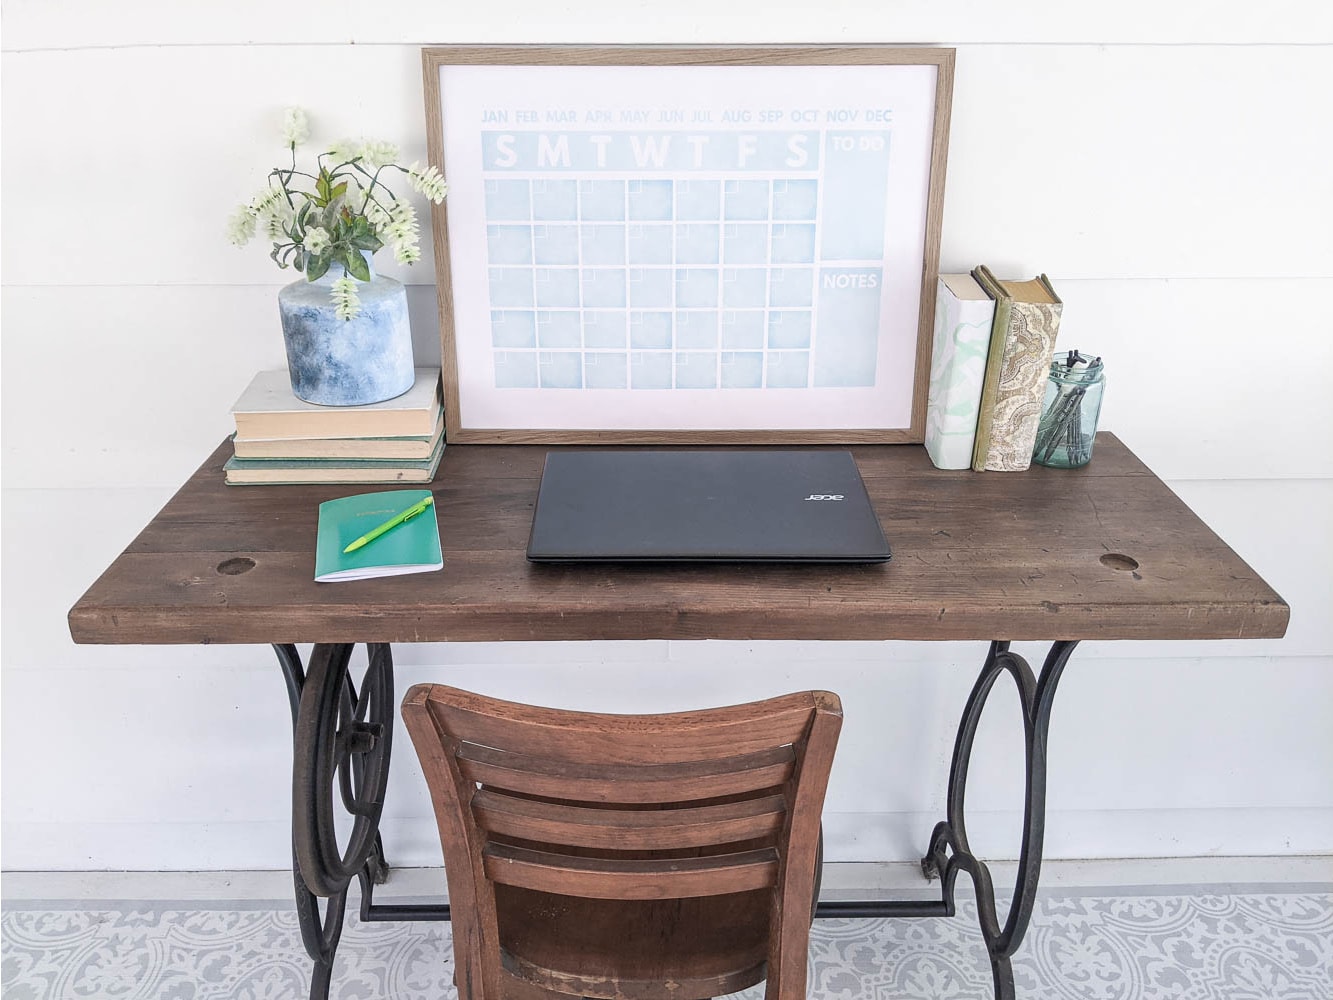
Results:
[707, 245]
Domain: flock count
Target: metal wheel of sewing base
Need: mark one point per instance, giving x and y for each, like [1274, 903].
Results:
[341, 737]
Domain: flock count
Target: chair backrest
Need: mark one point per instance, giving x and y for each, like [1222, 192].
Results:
[626, 807]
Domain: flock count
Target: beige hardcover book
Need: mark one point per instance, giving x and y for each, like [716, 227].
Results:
[268, 410]
[1027, 319]
[346, 448]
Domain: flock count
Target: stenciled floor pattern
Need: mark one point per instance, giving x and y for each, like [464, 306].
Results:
[1199, 943]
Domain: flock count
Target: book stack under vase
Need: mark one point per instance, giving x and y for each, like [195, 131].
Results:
[282, 439]
[994, 340]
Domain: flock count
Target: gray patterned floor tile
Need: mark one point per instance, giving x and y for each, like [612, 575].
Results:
[1252, 945]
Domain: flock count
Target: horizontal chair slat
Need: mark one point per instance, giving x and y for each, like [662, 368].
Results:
[607, 879]
[628, 829]
[624, 783]
[627, 739]
[616, 879]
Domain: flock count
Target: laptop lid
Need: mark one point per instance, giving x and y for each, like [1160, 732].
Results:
[719, 505]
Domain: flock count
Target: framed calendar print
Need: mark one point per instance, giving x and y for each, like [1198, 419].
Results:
[687, 244]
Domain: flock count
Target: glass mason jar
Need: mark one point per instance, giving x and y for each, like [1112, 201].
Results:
[1069, 411]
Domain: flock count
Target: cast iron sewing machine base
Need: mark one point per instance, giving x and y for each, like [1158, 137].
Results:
[343, 736]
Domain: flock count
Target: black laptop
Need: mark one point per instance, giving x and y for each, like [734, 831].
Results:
[719, 505]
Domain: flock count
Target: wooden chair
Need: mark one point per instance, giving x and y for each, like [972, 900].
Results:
[645, 857]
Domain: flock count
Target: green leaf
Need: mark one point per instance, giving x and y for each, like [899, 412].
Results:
[367, 241]
[339, 191]
[316, 266]
[356, 264]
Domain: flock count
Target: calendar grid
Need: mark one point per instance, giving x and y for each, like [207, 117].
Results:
[624, 280]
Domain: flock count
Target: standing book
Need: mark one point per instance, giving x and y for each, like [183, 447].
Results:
[1027, 319]
[964, 315]
[410, 547]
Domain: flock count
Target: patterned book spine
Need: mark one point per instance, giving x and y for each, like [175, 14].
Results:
[1028, 348]
[958, 363]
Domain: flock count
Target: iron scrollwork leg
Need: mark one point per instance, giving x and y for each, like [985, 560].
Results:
[341, 737]
[949, 851]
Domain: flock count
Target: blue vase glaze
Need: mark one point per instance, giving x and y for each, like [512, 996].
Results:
[336, 362]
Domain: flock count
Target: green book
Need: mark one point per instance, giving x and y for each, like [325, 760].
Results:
[288, 471]
[411, 547]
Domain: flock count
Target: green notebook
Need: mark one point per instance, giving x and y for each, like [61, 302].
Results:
[411, 547]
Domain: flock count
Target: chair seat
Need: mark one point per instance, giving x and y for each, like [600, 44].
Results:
[674, 949]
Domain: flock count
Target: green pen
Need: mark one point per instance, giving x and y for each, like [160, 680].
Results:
[388, 525]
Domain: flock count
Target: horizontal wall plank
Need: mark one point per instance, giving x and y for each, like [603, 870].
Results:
[1082, 161]
[179, 159]
[86, 23]
[1209, 379]
[1133, 742]
[152, 376]
[412, 842]
[145, 404]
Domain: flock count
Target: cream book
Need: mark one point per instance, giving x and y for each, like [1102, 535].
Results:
[964, 314]
[269, 410]
[1027, 319]
[410, 447]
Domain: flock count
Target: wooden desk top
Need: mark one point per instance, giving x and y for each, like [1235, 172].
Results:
[1045, 554]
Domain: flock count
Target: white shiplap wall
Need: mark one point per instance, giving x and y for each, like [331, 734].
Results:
[1167, 165]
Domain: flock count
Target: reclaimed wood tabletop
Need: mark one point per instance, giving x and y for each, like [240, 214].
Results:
[1102, 552]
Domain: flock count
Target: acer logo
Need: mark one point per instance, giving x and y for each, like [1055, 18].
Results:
[826, 496]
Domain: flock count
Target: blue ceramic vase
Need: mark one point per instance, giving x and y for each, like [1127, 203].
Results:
[337, 362]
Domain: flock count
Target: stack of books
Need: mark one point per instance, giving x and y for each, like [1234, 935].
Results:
[991, 357]
[282, 439]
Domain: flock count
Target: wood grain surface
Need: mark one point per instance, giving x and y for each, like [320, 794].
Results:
[689, 896]
[1103, 552]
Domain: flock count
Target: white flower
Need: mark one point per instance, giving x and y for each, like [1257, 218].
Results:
[345, 300]
[316, 239]
[279, 218]
[268, 202]
[241, 226]
[346, 150]
[379, 219]
[272, 210]
[428, 182]
[406, 253]
[402, 230]
[352, 197]
[403, 223]
[379, 153]
[295, 126]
